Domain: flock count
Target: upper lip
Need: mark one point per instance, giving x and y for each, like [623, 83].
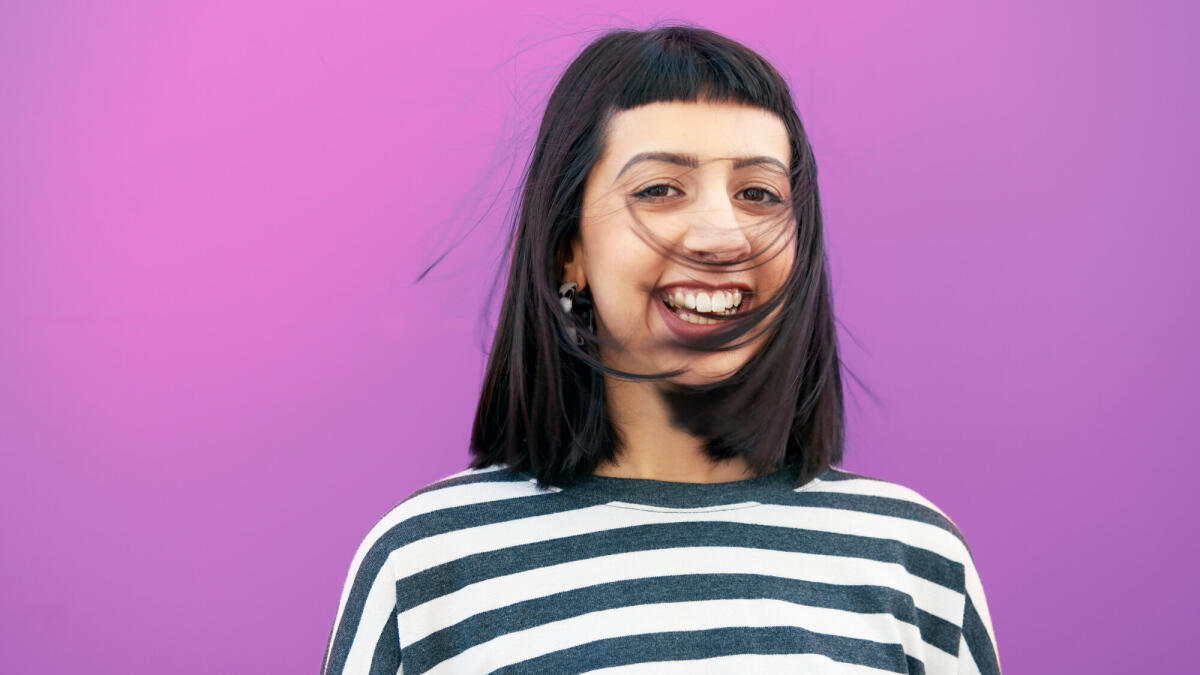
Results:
[744, 288]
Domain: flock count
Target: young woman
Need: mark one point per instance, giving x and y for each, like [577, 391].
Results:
[653, 489]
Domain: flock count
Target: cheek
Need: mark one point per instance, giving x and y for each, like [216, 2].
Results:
[622, 304]
[621, 270]
[775, 274]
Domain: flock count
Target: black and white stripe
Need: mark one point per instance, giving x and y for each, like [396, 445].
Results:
[485, 571]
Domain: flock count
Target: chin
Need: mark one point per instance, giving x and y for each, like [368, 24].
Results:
[707, 373]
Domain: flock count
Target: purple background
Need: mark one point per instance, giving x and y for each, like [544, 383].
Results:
[215, 372]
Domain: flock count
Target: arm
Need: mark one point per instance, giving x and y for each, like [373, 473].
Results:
[977, 646]
[364, 638]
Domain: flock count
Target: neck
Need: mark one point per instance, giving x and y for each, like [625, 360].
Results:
[651, 447]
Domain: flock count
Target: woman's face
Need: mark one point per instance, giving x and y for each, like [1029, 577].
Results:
[673, 166]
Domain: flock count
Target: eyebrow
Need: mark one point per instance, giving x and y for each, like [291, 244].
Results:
[690, 161]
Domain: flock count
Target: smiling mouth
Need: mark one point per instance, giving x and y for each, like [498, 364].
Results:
[704, 307]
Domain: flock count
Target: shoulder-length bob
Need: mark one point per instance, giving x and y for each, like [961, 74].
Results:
[542, 406]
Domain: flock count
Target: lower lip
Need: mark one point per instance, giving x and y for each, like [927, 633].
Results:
[686, 329]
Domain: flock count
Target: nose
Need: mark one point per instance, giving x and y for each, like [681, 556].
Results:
[716, 236]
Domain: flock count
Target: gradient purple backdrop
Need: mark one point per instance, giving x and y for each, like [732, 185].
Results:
[215, 372]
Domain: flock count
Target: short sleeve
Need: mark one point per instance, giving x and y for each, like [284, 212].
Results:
[364, 639]
[977, 646]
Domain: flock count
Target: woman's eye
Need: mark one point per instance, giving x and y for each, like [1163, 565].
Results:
[660, 191]
[767, 197]
[654, 192]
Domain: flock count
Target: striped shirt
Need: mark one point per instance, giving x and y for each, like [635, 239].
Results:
[486, 571]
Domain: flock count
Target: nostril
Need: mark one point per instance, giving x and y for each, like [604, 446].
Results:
[709, 255]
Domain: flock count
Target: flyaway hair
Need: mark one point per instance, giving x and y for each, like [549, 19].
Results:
[542, 406]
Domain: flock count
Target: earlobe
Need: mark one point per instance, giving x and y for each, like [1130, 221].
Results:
[572, 265]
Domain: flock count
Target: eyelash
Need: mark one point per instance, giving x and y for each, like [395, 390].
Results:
[772, 197]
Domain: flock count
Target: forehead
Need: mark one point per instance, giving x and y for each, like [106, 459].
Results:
[708, 130]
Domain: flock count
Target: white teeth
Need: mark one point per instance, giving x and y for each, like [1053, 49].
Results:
[695, 318]
[706, 302]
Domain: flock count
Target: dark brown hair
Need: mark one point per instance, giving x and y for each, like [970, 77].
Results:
[542, 406]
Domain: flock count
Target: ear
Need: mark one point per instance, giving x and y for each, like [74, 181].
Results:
[571, 263]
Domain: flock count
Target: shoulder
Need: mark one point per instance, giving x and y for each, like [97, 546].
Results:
[899, 511]
[936, 549]
[406, 537]
[892, 497]
[456, 501]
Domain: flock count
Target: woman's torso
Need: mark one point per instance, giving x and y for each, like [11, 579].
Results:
[493, 573]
